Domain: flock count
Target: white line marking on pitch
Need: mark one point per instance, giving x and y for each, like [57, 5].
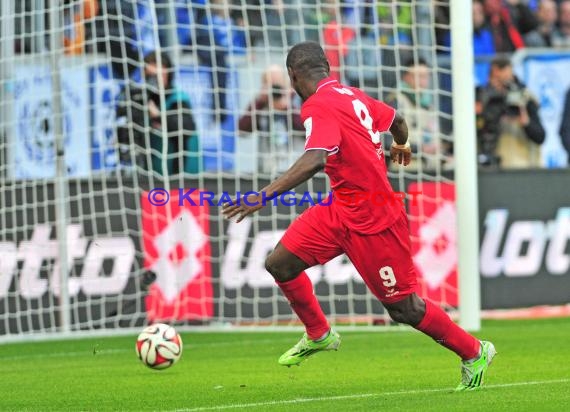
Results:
[363, 395]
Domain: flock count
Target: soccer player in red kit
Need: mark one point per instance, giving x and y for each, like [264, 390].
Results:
[343, 127]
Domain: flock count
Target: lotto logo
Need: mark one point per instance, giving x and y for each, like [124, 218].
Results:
[434, 248]
[526, 244]
[177, 249]
[38, 253]
[235, 275]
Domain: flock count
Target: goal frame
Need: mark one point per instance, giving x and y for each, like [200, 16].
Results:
[465, 149]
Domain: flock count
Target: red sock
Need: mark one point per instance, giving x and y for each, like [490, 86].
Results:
[441, 328]
[299, 293]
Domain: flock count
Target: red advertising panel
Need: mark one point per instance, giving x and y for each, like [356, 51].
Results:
[176, 248]
[433, 230]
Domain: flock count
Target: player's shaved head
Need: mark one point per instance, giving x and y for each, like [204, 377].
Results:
[308, 59]
[306, 66]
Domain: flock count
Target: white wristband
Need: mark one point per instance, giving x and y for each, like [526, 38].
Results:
[401, 146]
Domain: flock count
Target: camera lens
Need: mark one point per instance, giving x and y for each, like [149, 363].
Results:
[277, 92]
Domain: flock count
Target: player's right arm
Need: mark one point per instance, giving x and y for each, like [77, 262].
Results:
[322, 139]
[311, 162]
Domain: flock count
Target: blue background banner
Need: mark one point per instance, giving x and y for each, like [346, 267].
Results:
[546, 76]
[103, 93]
[31, 135]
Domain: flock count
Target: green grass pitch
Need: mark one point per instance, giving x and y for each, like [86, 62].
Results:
[393, 371]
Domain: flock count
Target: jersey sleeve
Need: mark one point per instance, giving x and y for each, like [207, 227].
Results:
[383, 115]
[321, 129]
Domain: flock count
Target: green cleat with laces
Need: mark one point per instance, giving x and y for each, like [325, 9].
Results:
[306, 347]
[473, 372]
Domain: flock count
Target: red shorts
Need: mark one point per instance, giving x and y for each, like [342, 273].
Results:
[383, 260]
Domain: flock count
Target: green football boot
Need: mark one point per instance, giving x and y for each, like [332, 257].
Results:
[473, 373]
[306, 347]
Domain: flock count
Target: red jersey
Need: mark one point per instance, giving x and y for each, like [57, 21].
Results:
[347, 123]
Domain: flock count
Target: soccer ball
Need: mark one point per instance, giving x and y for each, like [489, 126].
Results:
[159, 346]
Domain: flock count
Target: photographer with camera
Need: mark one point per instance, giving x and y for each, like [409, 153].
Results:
[509, 131]
[275, 119]
[139, 115]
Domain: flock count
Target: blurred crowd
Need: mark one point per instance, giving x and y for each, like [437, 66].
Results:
[360, 39]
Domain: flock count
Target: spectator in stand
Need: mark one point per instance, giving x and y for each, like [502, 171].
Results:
[563, 40]
[395, 28]
[271, 23]
[509, 130]
[116, 36]
[281, 19]
[252, 18]
[394, 24]
[217, 37]
[546, 33]
[336, 37]
[362, 60]
[315, 17]
[483, 43]
[78, 15]
[140, 116]
[441, 30]
[276, 120]
[414, 101]
[506, 36]
[185, 23]
[565, 125]
[522, 16]
[318, 14]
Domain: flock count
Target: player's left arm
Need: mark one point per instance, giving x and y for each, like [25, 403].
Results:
[400, 150]
[311, 162]
[386, 118]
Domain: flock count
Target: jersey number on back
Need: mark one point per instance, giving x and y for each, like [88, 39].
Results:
[362, 113]
[387, 275]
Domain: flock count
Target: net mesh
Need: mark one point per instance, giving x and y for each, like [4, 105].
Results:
[184, 101]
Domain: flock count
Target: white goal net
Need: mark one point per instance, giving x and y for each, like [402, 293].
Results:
[123, 122]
